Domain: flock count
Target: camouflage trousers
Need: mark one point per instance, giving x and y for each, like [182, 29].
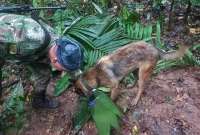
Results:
[40, 77]
[1, 65]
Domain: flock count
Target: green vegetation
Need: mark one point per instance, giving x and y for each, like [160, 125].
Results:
[12, 113]
[100, 31]
[101, 109]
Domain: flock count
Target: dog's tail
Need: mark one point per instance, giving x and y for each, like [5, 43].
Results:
[174, 54]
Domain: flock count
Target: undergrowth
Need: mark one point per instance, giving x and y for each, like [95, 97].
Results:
[99, 31]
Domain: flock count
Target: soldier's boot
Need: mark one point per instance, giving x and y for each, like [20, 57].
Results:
[40, 100]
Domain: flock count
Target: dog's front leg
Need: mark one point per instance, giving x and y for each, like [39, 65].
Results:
[114, 90]
[111, 81]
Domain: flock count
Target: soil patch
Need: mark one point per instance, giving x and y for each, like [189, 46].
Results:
[169, 106]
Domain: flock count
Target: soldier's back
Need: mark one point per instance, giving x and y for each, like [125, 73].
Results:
[21, 37]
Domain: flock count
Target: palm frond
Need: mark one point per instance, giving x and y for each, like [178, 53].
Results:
[138, 31]
[98, 8]
[91, 56]
[98, 35]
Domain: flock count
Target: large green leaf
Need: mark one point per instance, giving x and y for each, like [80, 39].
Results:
[62, 84]
[105, 114]
[103, 111]
[82, 115]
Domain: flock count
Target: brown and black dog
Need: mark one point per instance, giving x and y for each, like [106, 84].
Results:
[111, 69]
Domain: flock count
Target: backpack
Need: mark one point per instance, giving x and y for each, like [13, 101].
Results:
[21, 38]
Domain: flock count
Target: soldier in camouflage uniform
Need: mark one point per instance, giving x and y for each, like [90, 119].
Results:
[35, 44]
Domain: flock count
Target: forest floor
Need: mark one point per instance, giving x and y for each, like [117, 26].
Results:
[169, 106]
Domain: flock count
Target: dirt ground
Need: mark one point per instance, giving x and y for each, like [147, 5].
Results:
[169, 106]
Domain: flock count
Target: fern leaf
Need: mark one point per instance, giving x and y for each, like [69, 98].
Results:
[105, 114]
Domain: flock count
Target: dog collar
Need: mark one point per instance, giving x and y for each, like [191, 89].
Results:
[75, 74]
[87, 90]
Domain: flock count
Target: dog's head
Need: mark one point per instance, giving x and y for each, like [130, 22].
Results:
[86, 82]
[83, 86]
[80, 87]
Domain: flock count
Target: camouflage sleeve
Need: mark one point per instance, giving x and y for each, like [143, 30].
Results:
[51, 31]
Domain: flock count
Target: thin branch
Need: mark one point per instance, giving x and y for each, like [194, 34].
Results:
[187, 12]
[170, 15]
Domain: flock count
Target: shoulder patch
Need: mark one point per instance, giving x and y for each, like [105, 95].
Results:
[13, 49]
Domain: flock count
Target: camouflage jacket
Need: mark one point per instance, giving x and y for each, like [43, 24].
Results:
[22, 39]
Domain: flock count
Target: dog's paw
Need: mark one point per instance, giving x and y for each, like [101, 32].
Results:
[123, 102]
[123, 105]
[134, 102]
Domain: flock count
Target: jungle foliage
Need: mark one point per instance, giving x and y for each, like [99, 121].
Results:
[101, 28]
